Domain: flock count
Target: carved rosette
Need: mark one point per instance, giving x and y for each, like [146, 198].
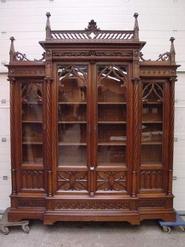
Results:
[111, 181]
[72, 181]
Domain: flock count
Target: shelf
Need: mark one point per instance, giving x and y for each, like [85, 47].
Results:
[112, 122]
[152, 122]
[151, 143]
[32, 143]
[152, 102]
[72, 164]
[72, 122]
[72, 144]
[151, 165]
[32, 103]
[105, 164]
[72, 103]
[112, 103]
[32, 121]
[112, 144]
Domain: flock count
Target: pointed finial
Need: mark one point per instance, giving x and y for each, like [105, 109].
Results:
[136, 26]
[172, 50]
[48, 26]
[12, 49]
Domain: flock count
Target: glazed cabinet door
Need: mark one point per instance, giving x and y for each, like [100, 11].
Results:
[155, 136]
[92, 129]
[30, 133]
[112, 125]
[73, 144]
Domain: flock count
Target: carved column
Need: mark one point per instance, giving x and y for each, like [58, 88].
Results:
[12, 133]
[48, 123]
[137, 106]
[171, 134]
[47, 134]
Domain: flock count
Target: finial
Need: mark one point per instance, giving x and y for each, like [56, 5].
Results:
[48, 27]
[136, 26]
[92, 26]
[12, 49]
[172, 50]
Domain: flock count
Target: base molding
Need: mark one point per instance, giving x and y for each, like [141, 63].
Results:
[57, 208]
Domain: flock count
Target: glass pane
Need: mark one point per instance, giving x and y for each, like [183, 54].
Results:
[32, 129]
[111, 155]
[72, 115]
[72, 155]
[152, 133]
[151, 154]
[112, 111]
[152, 123]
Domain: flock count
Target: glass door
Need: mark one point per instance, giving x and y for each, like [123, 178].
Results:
[32, 123]
[72, 172]
[152, 137]
[111, 167]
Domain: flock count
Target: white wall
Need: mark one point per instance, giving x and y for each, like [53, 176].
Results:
[158, 21]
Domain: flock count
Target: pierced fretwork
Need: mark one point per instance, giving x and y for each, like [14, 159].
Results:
[152, 91]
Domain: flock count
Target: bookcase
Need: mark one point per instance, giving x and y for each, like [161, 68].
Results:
[92, 128]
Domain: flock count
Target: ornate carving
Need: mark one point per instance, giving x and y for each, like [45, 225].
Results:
[157, 72]
[73, 71]
[94, 34]
[20, 56]
[72, 180]
[164, 57]
[92, 205]
[151, 179]
[32, 179]
[31, 202]
[112, 181]
[43, 58]
[92, 27]
[114, 73]
[24, 71]
[100, 53]
[152, 91]
[152, 203]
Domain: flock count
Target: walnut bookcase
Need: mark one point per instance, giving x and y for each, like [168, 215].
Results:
[92, 128]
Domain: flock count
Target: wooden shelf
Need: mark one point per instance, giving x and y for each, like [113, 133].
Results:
[72, 164]
[72, 103]
[32, 121]
[107, 164]
[152, 143]
[151, 122]
[151, 165]
[112, 122]
[112, 144]
[111, 103]
[32, 143]
[32, 103]
[152, 102]
[72, 144]
[72, 122]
